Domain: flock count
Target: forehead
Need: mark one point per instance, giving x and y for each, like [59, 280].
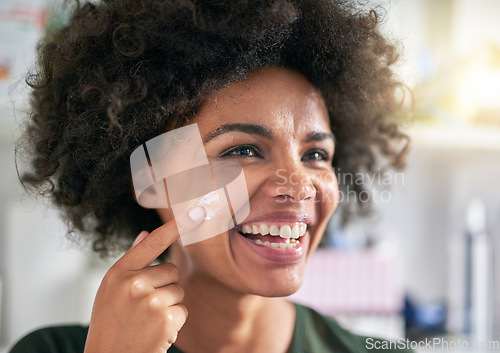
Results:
[275, 97]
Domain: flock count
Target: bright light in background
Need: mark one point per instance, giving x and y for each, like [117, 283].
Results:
[478, 87]
[451, 57]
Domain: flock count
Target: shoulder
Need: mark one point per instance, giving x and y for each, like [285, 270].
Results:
[319, 333]
[55, 339]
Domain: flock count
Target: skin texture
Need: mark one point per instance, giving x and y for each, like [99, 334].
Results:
[228, 289]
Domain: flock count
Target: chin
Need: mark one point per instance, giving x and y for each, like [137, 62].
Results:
[279, 292]
[280, 284]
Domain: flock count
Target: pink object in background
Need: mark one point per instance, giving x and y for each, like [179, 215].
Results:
[352, 282]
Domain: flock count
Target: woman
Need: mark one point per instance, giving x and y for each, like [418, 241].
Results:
[286, 89]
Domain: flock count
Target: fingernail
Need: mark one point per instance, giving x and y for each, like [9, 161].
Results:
[139, 238]
[197, 213]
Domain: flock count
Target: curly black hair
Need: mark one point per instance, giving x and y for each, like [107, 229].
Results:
[120, 71]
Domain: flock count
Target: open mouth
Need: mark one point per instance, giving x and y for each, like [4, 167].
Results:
[276, 236]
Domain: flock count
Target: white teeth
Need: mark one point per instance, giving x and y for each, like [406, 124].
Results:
[283, 246]
[302, 229]
[286, 232]
[274, 230]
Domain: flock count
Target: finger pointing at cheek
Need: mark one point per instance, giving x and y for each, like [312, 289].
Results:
[153, 245]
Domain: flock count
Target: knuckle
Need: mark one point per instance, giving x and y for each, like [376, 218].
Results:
[173, 318]
[136, 287]
[154, 303]
[169, 318]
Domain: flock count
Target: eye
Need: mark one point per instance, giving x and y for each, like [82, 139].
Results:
[315, 155]
[242, 151]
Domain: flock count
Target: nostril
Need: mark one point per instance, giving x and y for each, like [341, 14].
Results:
[284, 198]
[286, 185]
[297, 195]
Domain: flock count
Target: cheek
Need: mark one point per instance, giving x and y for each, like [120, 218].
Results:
[327, 199]
[260, 185]
[327, 189]
[212, 256]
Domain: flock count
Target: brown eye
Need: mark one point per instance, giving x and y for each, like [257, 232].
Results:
[315, 155]
[242, 151]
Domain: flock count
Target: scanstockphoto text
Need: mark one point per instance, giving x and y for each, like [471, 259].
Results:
[377, 187]
[432, 343]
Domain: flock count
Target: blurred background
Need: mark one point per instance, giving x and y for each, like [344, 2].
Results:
[424, 265]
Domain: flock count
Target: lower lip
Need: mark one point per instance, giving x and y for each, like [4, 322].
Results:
[282, 256]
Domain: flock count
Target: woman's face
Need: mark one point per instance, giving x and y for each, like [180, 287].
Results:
[276, 126]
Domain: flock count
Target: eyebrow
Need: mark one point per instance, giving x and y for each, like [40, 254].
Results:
[320, 136]
[260, 130]
[251, 129]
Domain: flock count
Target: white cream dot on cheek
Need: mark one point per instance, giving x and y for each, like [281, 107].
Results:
[211, 204]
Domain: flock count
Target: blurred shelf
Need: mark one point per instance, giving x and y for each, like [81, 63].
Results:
[460, 137]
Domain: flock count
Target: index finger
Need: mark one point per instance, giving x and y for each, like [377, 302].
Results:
[144, 253]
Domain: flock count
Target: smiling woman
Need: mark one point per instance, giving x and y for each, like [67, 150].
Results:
[285, 89]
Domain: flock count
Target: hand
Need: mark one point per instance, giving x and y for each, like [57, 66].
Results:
[138, 307]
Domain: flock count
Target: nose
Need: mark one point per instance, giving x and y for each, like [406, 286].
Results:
[291, 183]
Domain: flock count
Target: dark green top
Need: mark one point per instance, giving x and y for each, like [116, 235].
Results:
[313, 333]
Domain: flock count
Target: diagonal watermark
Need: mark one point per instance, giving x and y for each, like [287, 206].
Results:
[172, 171]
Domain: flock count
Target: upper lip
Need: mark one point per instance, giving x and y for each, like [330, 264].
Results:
[281, 216]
